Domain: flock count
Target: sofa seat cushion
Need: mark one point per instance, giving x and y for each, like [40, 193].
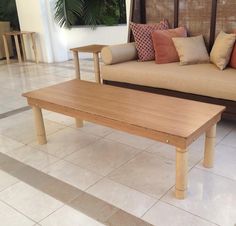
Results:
[201, 79]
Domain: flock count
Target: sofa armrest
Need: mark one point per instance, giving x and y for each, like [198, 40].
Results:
[119, 53]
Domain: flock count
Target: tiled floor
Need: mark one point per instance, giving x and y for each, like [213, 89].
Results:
[96, 175]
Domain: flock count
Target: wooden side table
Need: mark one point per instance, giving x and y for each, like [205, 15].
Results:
[17, 35]
[95, 50]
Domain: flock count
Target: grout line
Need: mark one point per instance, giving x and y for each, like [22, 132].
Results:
[18, 181]
[190, 213]
[225, 177]
[18, 211]
[52, 213]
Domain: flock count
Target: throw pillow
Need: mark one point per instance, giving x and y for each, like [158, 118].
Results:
[143, 40]
[191, 50]
[165, 51]
[233, 56]
[222, 49]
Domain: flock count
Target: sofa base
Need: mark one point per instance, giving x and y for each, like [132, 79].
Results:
[230, 112]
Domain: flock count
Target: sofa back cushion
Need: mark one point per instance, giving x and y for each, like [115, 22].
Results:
[191, 50]
[222, 49]
[143, 39]
[233, 56]
[165, 51]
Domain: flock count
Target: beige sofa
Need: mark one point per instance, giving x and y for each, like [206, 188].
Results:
[204, 82]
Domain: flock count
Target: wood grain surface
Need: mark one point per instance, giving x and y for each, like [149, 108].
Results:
[170, 120]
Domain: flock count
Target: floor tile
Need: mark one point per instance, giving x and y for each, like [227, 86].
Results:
[210, 196]
[147, 173]
[29, 201]
[10, 217]
[66, 216]
[4, 108]
[6, 180]
[224, 127]
[132, 140]
[93, 207]
[230, 139]
[65, 142]
[224, 163]
[163, 214]
[196, 151]
[9, 164]
[21, 128]
[121, 196]
[125, 219]
[103, 156]
[72, 174]
[47, 184]
[32, 157]
[7, 144]
[59, 118]
[92, 128]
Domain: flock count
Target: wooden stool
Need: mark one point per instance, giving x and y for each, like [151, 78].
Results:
[95, 49]
[20, 34]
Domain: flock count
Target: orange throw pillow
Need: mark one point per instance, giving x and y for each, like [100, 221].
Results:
[164, 47]
[233, 56]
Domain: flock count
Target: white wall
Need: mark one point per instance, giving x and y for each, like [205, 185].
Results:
[55, 42]
[32, 18]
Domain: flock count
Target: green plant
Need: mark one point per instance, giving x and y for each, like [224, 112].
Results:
[67, 12]
[89, 12]
[8, 12]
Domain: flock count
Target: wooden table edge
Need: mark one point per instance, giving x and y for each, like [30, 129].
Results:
[173, 140]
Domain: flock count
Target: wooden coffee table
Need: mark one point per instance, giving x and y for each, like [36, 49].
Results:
[174, 121]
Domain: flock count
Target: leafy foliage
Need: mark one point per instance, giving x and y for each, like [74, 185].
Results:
[90, 12]
[67, 12]
[8, 12]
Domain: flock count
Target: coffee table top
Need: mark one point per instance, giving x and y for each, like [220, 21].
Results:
[167, 119]
[89, 49]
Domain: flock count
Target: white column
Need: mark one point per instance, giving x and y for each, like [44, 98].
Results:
[37, 16]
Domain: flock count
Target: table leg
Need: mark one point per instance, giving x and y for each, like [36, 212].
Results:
[181, 173]
[79, 123]
[76, 63]
[209, 147]
[18, 49]
[32, 35]
[96, 67]
[6, 49]
[39, 125]
[23, 47]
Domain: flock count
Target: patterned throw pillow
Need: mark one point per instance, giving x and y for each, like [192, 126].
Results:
[143, 39]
